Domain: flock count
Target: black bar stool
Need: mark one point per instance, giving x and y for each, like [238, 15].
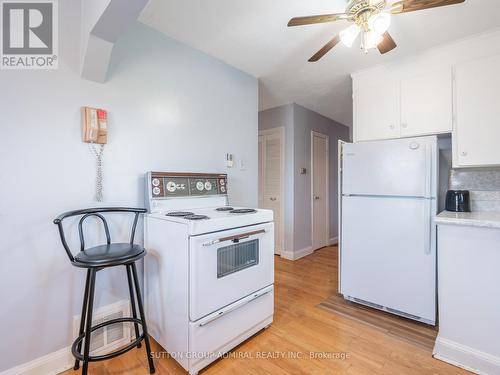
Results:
[95, 259]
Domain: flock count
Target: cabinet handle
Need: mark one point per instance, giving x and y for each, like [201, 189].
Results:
[272, 199]
[316, 198]
[463, 153]
[391, 127]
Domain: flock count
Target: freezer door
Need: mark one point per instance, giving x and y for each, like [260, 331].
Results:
[389, 253]
[400, 167]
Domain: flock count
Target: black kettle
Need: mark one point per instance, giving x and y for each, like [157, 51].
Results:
[457, 201]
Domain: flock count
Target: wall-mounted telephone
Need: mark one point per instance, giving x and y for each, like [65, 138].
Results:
[95, 125]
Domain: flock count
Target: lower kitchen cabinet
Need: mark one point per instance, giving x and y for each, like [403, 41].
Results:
[469, 297]
[477, 113]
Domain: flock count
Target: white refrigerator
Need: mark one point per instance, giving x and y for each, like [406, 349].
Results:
[387, 232]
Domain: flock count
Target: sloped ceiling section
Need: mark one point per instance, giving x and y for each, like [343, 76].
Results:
[252, 36]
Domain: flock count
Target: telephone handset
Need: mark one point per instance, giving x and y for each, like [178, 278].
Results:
[95, 125]
[95, 133]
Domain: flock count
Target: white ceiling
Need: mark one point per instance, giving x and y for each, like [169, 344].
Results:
[252, 36]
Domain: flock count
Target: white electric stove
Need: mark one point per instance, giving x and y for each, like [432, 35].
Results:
[209, 272]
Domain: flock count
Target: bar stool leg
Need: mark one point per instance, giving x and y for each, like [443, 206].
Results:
[132, 302]
[143, 319]
[88, 324]
[82, 317]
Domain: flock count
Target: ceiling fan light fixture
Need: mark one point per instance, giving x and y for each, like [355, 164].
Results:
[379, 22]
[349, 35]
[371, 40]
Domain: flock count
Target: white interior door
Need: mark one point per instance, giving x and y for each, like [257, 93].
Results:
[319, 190]
[271, 179]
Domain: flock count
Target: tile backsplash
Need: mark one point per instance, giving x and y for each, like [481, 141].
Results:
[483, 184]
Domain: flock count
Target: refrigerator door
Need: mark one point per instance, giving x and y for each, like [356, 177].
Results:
[400, 167]
[389, 254]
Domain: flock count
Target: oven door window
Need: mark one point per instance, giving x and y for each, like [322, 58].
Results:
[237, 257]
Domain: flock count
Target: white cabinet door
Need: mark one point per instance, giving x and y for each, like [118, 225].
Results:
[376, 111]
[477, 96]
[426, 103]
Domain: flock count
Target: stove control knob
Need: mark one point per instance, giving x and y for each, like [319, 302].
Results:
[222, 189]
[171, 187]
[156, 182]
[208, 185]
[156, 190]
[200, 185]
[222, 182]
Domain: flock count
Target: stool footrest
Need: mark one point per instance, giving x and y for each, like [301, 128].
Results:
[116, 353]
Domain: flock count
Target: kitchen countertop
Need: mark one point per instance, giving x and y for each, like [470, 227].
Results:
[471, 219]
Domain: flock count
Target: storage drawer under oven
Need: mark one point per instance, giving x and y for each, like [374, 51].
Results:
[226, 266]
[219, 332]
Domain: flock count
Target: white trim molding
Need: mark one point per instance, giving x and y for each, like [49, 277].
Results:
[62, 359]
[50, 364]
[294, 255]
[465, 357]
[333, 241]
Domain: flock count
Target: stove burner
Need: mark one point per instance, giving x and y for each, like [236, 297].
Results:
[196, 217]
[227, 208]
[243, 211]
[179, 214]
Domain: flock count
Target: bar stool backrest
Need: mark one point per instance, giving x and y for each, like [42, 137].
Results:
[96, 212]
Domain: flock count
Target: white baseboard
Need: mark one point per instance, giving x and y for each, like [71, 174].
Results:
[50, 364]
[333, 241]
[294, 255]
[465, 357]
[62, 359]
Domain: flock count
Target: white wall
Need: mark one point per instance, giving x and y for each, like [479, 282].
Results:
[473, 47]
[171, 108]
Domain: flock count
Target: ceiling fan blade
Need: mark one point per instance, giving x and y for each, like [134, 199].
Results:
[387, 44]
[405, 6]
[299, 21]
[326, 48]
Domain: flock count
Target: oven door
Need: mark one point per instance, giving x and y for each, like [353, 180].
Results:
[227, 266]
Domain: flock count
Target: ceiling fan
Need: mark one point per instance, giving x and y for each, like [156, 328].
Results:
[371, 19]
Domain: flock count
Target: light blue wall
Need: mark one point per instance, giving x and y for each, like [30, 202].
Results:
[299, 122]
[171, 108]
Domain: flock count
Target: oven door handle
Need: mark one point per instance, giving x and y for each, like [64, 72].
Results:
[235, 238]
[237, 305]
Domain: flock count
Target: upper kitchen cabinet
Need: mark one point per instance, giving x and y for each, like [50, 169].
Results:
[376, 111]
[477, 113]
[405, 105]
[426, 103]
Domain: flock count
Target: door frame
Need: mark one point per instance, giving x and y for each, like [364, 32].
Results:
[327, 218]
[279, 132]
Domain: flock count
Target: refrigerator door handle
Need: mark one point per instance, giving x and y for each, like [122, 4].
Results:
[428, 227]
[428, 171]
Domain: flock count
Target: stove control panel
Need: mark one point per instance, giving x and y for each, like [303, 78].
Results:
[165, 185]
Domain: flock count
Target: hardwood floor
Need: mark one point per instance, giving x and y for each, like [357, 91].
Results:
[304, 339]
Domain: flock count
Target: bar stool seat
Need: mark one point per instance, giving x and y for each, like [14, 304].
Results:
[106, 255]
[97, 259]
